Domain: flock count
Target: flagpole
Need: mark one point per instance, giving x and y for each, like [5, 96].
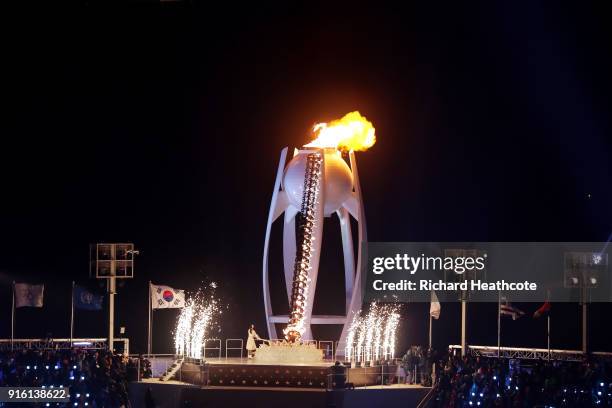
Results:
[72, 315]
[149, 329]
[548, 322]
[430, 323]
[498, 324]
[463, 324]
[548, 333]
[13, 318]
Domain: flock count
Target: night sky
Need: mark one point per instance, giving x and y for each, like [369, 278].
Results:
[162, 125]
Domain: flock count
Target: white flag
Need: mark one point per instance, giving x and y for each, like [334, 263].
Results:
[507, 309]
[165, 297]
[434, 307]
[28, 295]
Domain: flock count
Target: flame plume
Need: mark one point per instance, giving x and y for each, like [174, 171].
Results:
[351, 132]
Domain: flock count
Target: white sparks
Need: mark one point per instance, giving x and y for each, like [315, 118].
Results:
[182, 334]
[372, 337]
[193, 325]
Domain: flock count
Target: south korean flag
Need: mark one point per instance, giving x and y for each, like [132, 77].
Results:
[165, 297]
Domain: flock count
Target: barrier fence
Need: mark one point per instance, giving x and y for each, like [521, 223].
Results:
[233, 346]
[228, 346]
[328, 348]
[159, 362]
[216, 348]
[65, 344]
[527, 353]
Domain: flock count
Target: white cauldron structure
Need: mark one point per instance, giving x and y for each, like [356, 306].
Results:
[316, 183]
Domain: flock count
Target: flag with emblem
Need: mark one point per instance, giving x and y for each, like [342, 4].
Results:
[27, 295]
[165, 297]
[86, 300]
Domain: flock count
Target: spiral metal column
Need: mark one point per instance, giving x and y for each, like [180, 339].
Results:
[307, 220]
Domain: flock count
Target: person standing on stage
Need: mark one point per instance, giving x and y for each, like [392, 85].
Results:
[251, 346]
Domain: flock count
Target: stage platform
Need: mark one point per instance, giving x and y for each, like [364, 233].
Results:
[176, 394]
[251, 373]
[236, 382]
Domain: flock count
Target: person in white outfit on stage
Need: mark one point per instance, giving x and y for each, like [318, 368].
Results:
[251, 346]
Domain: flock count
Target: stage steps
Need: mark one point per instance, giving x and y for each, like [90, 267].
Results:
[172, 370]
[427, 398]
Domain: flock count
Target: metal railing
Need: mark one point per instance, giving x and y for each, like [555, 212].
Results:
[217, 348]
[228, 348]
[328, 349]
[528, 353]
[159, 362]
[97, 343]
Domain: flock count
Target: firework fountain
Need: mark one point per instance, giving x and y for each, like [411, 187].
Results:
[194, 323]
[372, 337]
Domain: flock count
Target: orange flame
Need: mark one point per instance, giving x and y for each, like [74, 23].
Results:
[352, 132]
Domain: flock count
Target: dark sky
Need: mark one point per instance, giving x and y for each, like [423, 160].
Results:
[162, 124]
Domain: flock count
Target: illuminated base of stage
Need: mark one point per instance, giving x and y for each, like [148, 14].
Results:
[250, 373]
[176, 394]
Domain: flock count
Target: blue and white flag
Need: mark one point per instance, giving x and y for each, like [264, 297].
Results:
[165, 297]
[84, 299]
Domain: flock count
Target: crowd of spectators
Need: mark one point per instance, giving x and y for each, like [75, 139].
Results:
[468, 382]
[94, 378]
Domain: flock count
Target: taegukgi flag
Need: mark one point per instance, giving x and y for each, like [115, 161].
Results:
[165, 297]
[28, 295]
